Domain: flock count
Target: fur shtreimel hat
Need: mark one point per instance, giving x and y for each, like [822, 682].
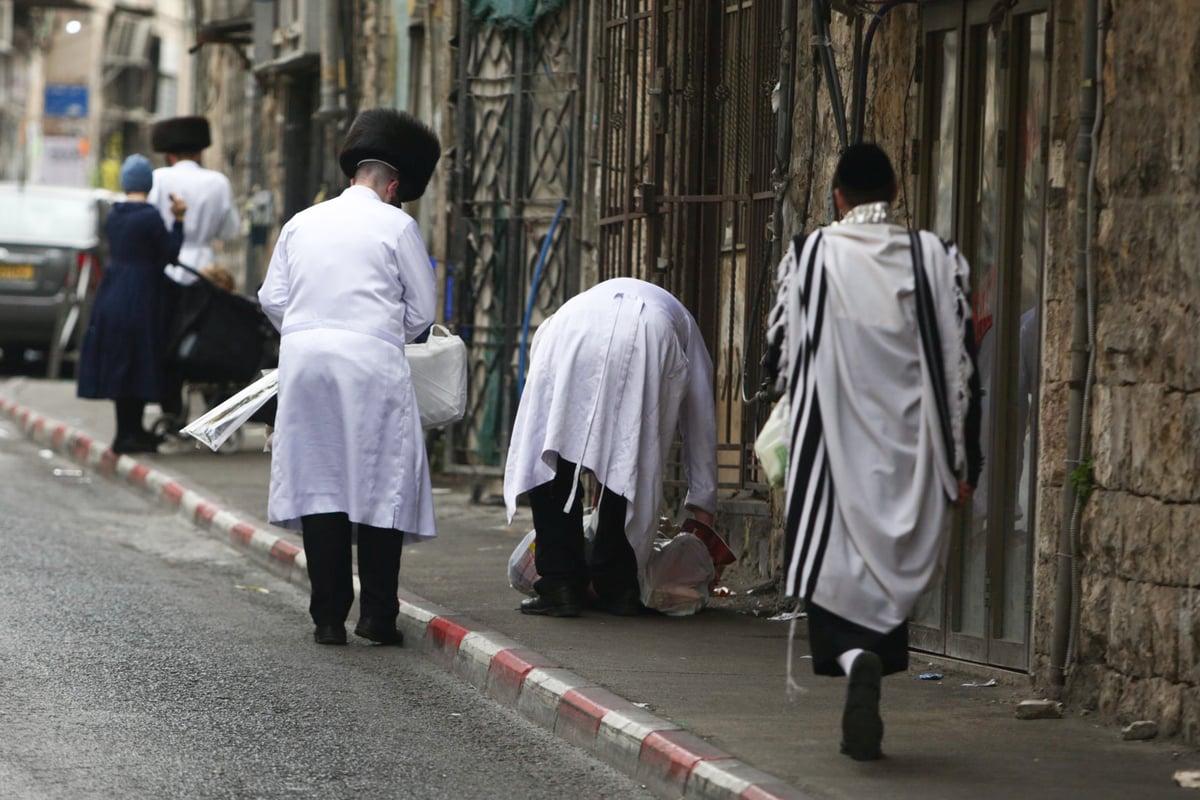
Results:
[399, 140]
[180, 135]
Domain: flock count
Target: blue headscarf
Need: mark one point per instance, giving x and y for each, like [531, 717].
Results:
[136, 174]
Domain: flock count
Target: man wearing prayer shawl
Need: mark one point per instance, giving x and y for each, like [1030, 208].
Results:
[877, 362]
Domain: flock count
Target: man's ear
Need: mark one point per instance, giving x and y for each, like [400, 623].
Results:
[839, 202]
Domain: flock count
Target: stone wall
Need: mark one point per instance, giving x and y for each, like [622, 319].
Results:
[1138, 639]
[1140, 535]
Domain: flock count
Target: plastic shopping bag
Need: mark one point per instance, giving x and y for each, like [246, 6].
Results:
[678, 574]
[219, 423]
[522, 573]
[439, 376]
[771, 444]
[522, 569]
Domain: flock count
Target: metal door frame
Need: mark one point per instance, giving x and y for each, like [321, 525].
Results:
[513, 246]
[686, 187]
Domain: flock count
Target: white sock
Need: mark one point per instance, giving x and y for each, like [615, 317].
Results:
[846, 659]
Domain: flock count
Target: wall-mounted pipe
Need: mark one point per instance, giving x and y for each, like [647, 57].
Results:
[823, 50]
[1082, 349]
[858, 99]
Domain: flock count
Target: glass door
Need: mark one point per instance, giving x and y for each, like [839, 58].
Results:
[982, 184]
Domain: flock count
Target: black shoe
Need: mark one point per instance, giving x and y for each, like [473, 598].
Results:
[329, 634]
[622, 604]
[132, 445]
[379, 632]
[558, 602]
[862, 727]
[149, 440]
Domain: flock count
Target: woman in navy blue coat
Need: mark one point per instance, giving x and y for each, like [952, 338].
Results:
[121, 355]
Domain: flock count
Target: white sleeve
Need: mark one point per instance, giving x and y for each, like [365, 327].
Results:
[160, 197]
[417, 277]
[698, 425]
[273, 295]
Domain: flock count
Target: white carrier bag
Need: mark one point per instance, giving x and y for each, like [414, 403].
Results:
[439, 376]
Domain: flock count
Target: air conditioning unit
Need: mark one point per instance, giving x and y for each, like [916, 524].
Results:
[292, 37]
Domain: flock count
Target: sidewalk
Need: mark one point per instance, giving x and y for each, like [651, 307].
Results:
[691, 706]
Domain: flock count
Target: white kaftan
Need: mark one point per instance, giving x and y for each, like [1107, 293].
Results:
[612, 373]
[869, 475]
[348, 285]
[211, 213]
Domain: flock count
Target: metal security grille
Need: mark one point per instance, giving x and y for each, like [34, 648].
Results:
[513, 257]
[687, 147]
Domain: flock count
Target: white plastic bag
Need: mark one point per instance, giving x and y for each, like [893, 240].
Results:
[218, 423]
[439, 376]
[522, 570]
[771, 445]
[522, 573]
[678, 574]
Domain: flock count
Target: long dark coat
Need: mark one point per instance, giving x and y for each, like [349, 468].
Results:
[122, 350]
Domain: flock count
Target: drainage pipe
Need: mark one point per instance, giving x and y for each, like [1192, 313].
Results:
[859, 98]
[824, 51]
[1082, 335]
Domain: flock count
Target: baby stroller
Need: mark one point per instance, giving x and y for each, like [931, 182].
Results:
[217, 342]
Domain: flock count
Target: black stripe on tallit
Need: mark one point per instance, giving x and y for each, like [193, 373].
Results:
[826, 526]
[810, 439]
[931, 341]
[804, 349]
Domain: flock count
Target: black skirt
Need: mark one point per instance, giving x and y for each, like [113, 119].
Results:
[830, 635]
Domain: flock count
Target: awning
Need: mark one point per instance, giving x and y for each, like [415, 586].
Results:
[521, 14]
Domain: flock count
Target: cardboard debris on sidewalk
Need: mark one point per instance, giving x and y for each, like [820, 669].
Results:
[1039, 709]
[1188, 778]
[1140, 731]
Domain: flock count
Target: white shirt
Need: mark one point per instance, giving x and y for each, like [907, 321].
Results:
[211, 213]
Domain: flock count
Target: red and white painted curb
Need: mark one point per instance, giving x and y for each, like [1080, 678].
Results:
[669, 760]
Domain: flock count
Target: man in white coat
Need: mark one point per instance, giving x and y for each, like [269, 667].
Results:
[211, 215]
[208, 193]
[871, 340]
[613, 373]
[348, 285]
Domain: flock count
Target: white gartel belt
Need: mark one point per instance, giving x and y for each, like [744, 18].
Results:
[342, 325]
[624, 313]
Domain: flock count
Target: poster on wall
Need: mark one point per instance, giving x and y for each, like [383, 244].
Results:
[63, 161]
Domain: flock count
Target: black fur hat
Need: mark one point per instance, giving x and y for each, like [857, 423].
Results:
[180, 135]
[398, 139]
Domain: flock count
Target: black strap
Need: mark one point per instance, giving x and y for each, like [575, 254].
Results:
[931, 341]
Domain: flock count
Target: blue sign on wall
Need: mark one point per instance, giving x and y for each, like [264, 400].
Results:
[66, 100]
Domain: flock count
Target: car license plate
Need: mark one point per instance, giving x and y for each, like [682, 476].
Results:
[16, 272]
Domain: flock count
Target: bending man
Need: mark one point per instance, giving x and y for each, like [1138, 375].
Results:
[612, 375]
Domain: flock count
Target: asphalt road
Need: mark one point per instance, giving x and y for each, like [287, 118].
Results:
[139, 660]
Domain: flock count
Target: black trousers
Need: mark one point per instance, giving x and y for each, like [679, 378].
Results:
[830, 635]
[327, 539]
[129, 418]
[559, 554]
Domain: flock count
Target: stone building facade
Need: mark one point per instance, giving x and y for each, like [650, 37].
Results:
[983, 107]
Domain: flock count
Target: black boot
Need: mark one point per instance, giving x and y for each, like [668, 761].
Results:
[329, 634]
[554, 601]
[862, 727]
